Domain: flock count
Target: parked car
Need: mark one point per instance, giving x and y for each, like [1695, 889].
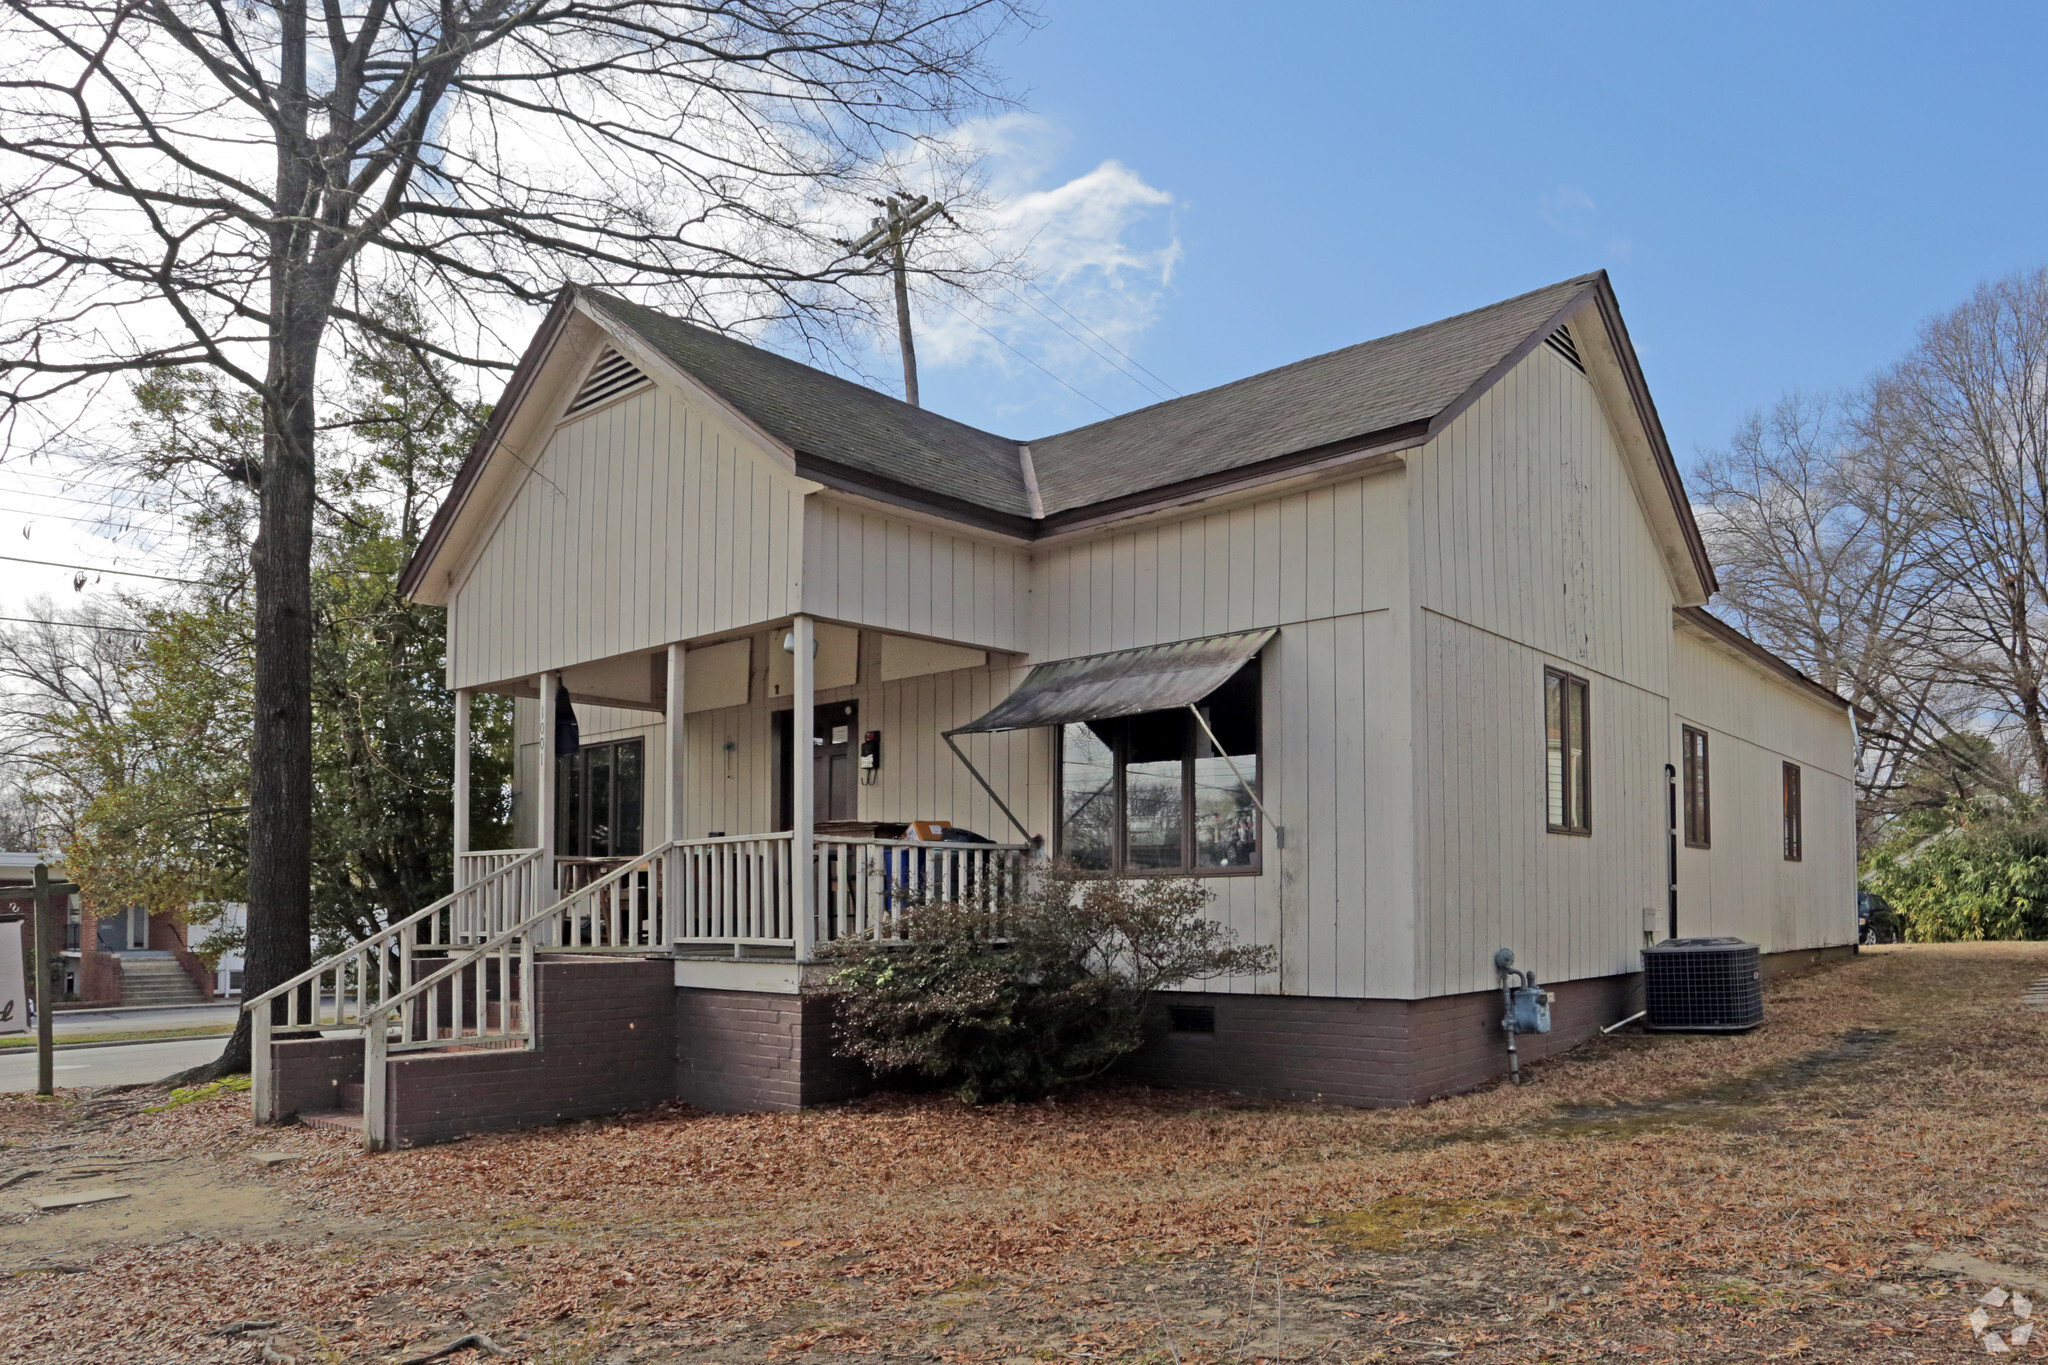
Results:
[1876, 921]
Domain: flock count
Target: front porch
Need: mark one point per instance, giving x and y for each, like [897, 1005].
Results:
[631, 771]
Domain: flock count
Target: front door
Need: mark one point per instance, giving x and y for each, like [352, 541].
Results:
[833, 762]
[835, 746]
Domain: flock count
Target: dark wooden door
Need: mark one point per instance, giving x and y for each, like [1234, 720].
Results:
[834, 770]
[835, 763]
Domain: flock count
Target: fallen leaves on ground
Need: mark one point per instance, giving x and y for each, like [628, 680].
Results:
[1680, 1198]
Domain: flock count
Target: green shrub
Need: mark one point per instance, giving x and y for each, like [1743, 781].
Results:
[1982, 880]
[1045, 990]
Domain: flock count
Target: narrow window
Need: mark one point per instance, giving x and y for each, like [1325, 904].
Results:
[1794, 823]
[1157, 793]
[600, 801]
[1568, 759]
[1698, 828]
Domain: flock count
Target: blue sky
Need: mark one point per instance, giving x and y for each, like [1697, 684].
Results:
[1781, 193]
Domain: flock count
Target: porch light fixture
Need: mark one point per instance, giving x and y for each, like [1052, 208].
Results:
[789, 643]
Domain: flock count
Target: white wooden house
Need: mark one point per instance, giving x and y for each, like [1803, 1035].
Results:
[1400, 648]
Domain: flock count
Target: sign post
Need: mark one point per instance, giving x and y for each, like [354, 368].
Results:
[46, 891]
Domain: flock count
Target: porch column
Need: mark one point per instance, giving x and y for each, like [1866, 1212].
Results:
[544, 807]
[802, 766]
[674, 725]
[461, 831]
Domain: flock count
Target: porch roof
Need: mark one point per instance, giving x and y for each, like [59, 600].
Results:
[1125, 683]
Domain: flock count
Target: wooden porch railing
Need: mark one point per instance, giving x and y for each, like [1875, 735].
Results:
[865, 885]
[460, 972]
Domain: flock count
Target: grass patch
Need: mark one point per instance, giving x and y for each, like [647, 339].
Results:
[1385, 1224]
[140, 1036]
[212, 1090]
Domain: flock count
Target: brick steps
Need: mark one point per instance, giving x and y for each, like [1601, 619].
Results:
[346, 1117]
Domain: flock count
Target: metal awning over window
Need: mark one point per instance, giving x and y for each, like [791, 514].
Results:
[1126, 683]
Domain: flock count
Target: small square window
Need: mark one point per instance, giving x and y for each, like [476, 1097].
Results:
[1192, 1018]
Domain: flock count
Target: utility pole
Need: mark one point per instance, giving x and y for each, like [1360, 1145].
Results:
[46, 891]
[888, 236]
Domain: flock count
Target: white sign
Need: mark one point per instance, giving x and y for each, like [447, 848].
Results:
[13, 979]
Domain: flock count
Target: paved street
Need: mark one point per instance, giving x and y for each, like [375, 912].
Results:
[124, 1065]
[81, 1024]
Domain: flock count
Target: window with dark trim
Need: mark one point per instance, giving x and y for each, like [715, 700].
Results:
[1699, 829]
[1153, 793]
[1568, 758]
[1794, 818]
[598, 801]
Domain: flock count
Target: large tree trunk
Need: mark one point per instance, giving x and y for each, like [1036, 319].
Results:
[279, 944]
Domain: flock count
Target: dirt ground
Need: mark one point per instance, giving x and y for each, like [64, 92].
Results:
[1846, 1183]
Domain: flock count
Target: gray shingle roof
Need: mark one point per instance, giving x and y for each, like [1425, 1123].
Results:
[820, 414]
[1407, 377]
[1374, 386]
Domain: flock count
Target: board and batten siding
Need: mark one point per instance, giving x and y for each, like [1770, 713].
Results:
[646, 521]
[1332, 551]
[1492, 874]
[1328, 566]
[1531, 549]
[1525, 523]
[1743, 885]
[864, 567]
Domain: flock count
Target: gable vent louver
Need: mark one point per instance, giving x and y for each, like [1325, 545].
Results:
[1561, 342]
[611, 377]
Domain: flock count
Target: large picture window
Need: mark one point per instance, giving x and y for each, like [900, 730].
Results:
[1568, 760]
[598, 796]
[1153, 793]
[1699, 830]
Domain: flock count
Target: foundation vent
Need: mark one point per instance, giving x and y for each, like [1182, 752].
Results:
[1192, 1018]
[613, 376]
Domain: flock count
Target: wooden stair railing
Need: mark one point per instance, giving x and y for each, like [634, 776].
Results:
[339, 991]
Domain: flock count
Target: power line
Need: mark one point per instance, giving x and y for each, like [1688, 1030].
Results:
[88, 568]
[86, 502]
[1033, 363]
[76, 625]
[100, 519]
[1049, 298]
[1150, 391]
[69, 482]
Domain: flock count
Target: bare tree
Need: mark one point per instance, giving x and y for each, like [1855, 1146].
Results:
[197, 184]
[1965, 416]
[1821, 541]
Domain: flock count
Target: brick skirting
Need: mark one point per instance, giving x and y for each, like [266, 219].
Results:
[739, 1051]
[617, 1034]
[606, 1043]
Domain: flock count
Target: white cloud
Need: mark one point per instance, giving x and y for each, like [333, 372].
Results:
[1568, 209]
[1096, 253]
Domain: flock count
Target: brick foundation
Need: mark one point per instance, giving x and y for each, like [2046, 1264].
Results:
[739, 1051]
[617, 1034]
[1388, 1052]
[307, 1074]
[605, 1044]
